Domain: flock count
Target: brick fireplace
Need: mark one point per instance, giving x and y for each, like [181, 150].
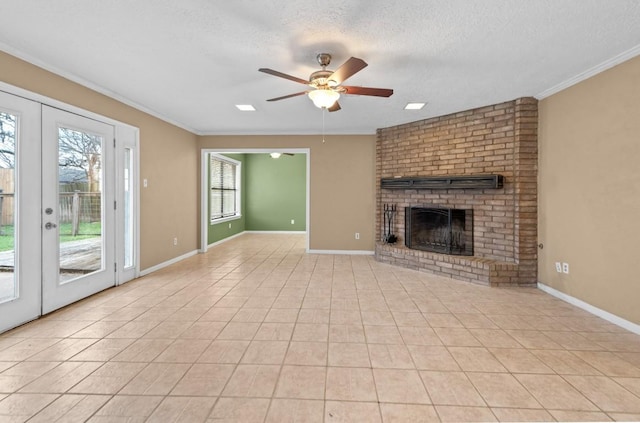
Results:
[499, 140]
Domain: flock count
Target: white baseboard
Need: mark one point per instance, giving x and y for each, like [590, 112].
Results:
[222, 241]
[167, 263]
[616, 320]
[343, 252]
[275, 232]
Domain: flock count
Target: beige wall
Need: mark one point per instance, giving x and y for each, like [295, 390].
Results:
[342, 171]
[589, 190]
[342, 193]
[168, 159]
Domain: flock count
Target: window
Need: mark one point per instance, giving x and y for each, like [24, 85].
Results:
[224, 177]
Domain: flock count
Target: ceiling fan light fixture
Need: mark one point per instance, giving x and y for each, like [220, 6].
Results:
[275, 155]
[323, 97]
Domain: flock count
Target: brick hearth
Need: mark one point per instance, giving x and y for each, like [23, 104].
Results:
[499, 139]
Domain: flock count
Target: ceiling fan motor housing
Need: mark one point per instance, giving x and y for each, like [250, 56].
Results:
[321, 79]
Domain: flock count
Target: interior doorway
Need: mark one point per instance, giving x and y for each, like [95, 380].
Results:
[206, 195]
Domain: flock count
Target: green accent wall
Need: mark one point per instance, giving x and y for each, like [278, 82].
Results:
[220, 231]
[276, 192]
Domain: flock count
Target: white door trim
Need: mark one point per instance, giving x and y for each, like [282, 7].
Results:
[127, 137]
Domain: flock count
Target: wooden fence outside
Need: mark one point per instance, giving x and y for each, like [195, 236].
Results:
[6, 196]
[75, 207]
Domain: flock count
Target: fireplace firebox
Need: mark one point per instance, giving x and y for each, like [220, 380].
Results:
[439, 230]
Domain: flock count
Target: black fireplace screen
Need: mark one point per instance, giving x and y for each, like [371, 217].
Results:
[440, 230]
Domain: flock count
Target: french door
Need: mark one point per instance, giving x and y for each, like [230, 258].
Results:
[20, 179]
[78, 248]
[61, 233]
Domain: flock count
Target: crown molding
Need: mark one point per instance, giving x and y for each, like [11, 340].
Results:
[92, 86]
[607, 64]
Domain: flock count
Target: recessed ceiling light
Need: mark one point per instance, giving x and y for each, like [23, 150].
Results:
[414, 106]
[246, 107]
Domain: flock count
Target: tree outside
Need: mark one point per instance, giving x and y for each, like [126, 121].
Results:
[79, 168]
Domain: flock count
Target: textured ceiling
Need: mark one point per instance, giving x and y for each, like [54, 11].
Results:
[190, 61]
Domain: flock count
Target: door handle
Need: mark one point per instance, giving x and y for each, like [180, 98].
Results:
[50, 225]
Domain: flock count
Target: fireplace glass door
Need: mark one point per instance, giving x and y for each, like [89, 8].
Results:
[439, 230]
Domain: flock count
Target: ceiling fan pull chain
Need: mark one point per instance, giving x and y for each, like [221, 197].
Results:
[323, 110]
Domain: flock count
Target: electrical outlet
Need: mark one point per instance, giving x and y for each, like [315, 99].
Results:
[175, 241]
[357, 235]
[293, 222]
[558, 267]
[229, 225]
[565, 268]
[145, 183]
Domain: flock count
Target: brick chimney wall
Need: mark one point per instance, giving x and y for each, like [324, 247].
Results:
[499, 139]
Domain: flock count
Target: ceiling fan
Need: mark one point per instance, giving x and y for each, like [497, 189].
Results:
[326, 84]
[276, 154]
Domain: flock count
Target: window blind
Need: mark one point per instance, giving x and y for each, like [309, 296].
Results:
[224, 189]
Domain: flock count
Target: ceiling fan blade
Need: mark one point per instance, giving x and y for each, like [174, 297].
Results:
[287, 96]
[378, 92]
[283, 75]
[335, 107]
[288, 154]
[348, 69]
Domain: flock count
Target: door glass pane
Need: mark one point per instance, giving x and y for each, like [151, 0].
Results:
[128, 202]
[80, 203]
[8, 139]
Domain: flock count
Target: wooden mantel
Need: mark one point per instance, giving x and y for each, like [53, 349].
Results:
[444, 182]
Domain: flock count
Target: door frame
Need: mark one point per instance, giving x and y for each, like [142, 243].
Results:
[204, 183]
[127, 136]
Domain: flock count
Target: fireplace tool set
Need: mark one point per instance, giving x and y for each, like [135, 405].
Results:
[389, 215]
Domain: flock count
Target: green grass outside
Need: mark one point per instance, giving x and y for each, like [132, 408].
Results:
[86, 231]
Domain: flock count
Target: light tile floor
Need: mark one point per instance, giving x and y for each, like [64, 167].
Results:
[257, 330]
